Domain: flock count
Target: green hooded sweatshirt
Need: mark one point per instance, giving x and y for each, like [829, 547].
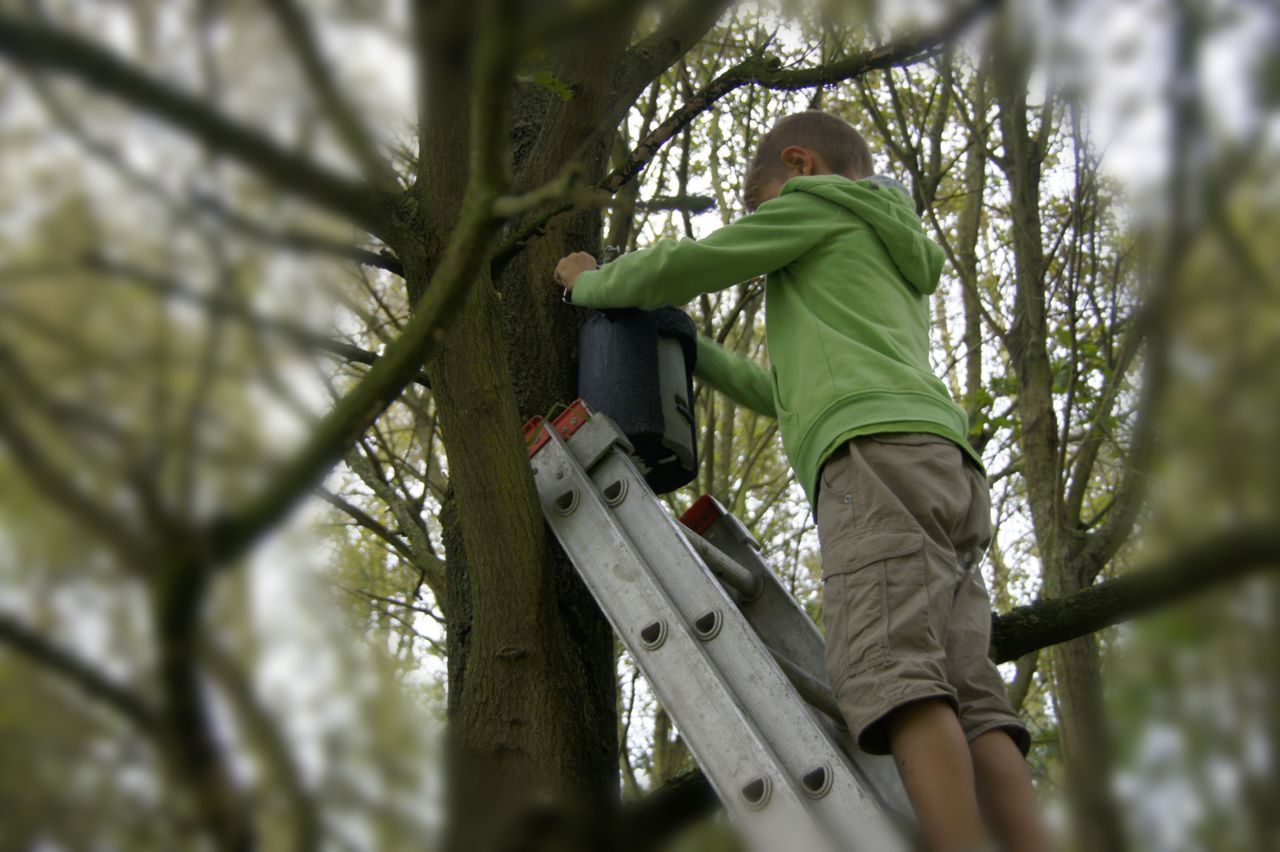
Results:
[849, 271]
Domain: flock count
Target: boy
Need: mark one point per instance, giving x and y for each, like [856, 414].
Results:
[901, 501]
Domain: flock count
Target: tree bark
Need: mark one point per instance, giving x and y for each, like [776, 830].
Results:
[531, 701]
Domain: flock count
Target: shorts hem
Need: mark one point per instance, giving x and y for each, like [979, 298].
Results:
[871, 737]
[1015, 729]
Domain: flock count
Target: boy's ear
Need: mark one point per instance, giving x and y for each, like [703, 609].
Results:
[798, 160]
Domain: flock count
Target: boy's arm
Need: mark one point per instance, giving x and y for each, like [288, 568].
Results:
[741, 379]
[674, 271]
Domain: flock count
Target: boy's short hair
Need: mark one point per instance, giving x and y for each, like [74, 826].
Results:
[833, 138]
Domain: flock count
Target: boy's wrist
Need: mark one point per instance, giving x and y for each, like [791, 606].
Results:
[580, 292]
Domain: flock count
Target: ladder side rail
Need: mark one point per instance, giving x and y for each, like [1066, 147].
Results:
[686, 680]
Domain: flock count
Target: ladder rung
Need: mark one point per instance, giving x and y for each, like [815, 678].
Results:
[749, 585]
[741, 580]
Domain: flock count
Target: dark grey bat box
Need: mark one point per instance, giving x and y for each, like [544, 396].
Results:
[637, 367]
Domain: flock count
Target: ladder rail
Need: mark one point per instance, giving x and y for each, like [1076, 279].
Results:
[633, 602]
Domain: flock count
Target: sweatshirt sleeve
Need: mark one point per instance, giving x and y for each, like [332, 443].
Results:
[741, 379]
[672, 272]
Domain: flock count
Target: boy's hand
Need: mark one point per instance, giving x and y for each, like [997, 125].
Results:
[571, 266]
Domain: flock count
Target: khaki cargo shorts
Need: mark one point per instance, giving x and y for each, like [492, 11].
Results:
[903, 520]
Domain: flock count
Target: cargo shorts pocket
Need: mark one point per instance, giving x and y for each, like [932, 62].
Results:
[870, 584]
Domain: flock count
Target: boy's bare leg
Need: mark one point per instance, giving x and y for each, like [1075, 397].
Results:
[1005, 791]
[937, 771]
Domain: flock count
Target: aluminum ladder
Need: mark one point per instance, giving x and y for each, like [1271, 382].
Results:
[731, 656]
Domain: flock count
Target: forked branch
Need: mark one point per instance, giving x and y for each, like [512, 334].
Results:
[769, 73]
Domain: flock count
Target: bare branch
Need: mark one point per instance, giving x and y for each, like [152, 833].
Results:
[272, 744]
[223, 305]
[1023, 679]
[299, 241]
[421, 552]
[761, 71]
[768, 72]
[57, 484]
[648, 58]
[657, 817]
[683, 202]
[564, 187]
[1221, 558]
[296, 25]
[39, 47]
[367, 521]
[83, 675]
[1096, 430]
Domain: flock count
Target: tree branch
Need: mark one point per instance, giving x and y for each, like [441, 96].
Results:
[298, 31]
[650, 820]
[272, 745]
[443, 297]
[683, 203]
[39, 47]
[648, 58]
[49, 478]
[1096, 431]
[221, 304]
[1224, 557]
[295, 240]
[421, 553]
[767, 72]
[80, 674]
[564, 187]
[1023, 679]
[761, 71]
[367, 521]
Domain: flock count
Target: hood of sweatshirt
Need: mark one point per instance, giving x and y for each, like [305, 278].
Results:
[886, 207]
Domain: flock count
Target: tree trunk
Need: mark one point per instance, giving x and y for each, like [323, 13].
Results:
[531, 677]
[1077, 677]
[1077, 687]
